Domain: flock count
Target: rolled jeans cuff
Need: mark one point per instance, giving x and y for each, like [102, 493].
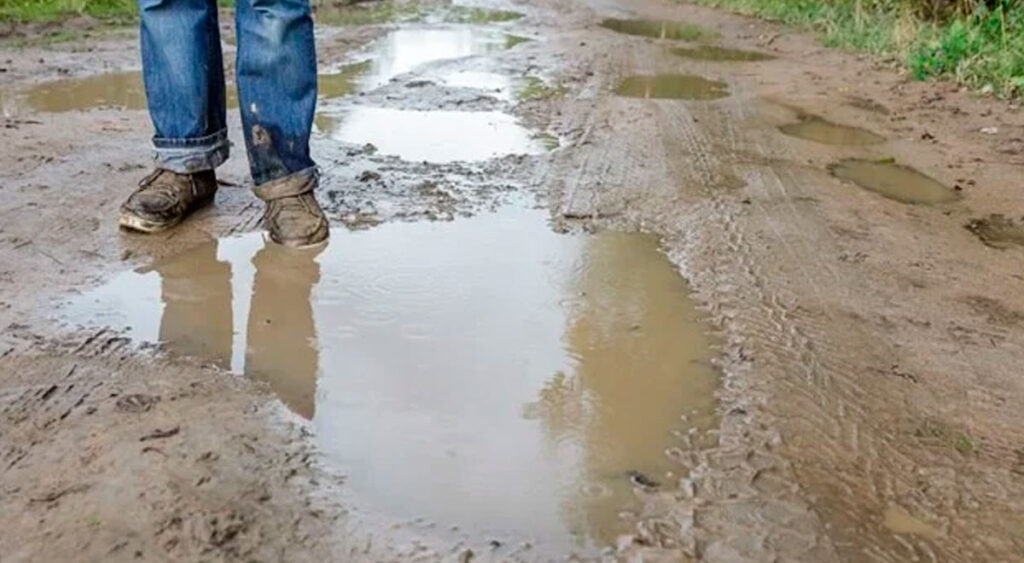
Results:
[188, 156]
[307, 178]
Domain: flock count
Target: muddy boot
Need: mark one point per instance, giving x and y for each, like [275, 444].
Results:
[165, 198]
[293, 216]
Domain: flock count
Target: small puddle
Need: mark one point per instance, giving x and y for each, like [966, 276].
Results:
[404, 50]
[672, 86]
[125, 90]
[894, 181]
[998, 230]
[431, 136]
[720, 54]
[658, 29]
[820, 130]
[900, 521]
[119, 89]
[485, 373]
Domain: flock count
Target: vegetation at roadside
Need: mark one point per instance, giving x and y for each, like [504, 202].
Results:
[463, 14]
[55, 10]
[365, 13]
[534, 88]
[979, 43]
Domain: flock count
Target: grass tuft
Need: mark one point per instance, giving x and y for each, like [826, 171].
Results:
[974, 43]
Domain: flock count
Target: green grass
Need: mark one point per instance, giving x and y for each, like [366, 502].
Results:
[368, 13]
[56, 10]
[534, 88]
[969, 43]
[463, 14]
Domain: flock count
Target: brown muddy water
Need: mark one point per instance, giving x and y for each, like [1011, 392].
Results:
[902, 522]
[672, 86]
[720, 54]
[658, 29]
[486, 377]
[125, 90]
[398, 52]
[821, 130]
[894, 181]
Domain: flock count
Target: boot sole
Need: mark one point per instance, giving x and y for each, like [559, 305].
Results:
[135, 223]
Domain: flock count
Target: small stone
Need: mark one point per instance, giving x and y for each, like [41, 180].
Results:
[990, 130]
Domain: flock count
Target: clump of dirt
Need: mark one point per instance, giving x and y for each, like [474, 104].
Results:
[998, 231]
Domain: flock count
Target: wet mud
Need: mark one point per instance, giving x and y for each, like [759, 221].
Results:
[672, 86]
[547, 380]
[821, 130]
[451, 380]
[894, 181]
[657, 29]
[718, 54]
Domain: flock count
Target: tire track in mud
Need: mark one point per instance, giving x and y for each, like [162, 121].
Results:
[847, 463]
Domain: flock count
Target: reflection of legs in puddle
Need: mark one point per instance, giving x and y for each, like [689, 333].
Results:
[196, 291]
[282, 348]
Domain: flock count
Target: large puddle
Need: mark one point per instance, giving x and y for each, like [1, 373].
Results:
[484, 374]
[820, 130]
[672, 86]
[658, 29]
[437, 136]
[894, 181]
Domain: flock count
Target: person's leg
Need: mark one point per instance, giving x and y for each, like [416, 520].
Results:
[184, 77]
[277, 97]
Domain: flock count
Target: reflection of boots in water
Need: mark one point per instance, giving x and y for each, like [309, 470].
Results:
[196, 291]
[282, 347]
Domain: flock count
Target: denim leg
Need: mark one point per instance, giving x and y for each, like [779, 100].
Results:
[183, 70]
[276, 85]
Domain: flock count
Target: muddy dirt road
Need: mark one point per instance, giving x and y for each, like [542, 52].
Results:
[601, 287]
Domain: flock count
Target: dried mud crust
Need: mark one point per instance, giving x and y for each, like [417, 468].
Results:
[872, 348]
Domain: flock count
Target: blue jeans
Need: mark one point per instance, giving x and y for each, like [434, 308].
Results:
[276, 76]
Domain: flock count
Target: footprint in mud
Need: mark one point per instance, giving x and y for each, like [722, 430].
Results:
[672, 86]
[894, 181]
[998, 231]
[820, 130]
[720, 54]
[658, 29]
